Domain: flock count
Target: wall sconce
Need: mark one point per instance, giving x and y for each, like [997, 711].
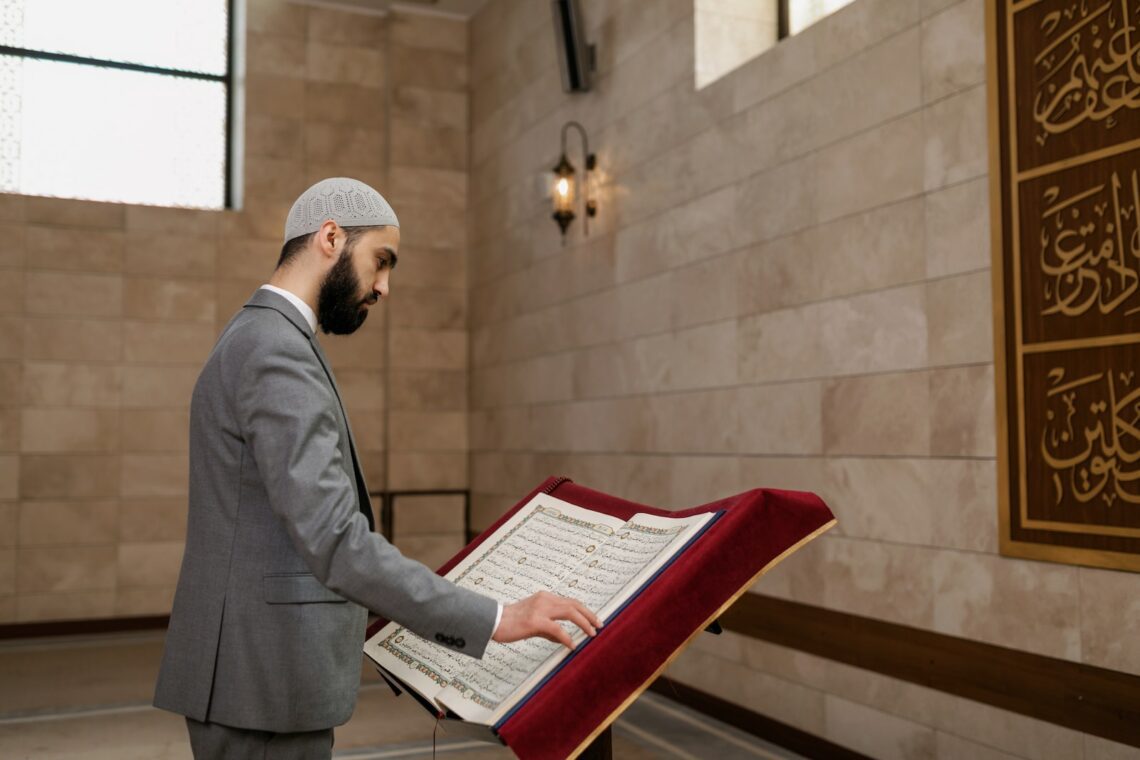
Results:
[564, 184]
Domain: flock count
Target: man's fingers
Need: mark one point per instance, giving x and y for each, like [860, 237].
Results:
[552, 631]
[580, 620]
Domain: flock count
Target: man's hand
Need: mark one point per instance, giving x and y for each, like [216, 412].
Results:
[538, 615]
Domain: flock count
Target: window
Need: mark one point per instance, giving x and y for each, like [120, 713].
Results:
[117, 100]
[730, 33]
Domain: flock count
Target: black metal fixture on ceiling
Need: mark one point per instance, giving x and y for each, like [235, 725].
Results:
[565, 191]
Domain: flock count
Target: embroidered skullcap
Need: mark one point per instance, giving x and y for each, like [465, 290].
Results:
[348, 202]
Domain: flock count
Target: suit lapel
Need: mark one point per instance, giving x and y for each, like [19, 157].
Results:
[361, 488]
[267, 299]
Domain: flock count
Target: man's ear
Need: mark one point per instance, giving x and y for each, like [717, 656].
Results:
[327, 237]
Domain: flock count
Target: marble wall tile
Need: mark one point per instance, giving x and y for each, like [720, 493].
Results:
[428, 32]
[428, 389]
[173, 221]
[877, 414]
[9, 516]
[1028, 606]
[777, 698]
[959, 313]
[886, 581]
[346, 64]
[74, 249]
[428, 349]
[875, 332]
[955, 138]
[780, 418]
[144, 600]
[339, 103]
[696, 480]
[152, 518]
[9, 477]
[957, 226]
[347, 27]
[66, 212]
[276, 18]
[149, 564]
[62, 523]
[701, 422]
[153, 298]
[279, 179]
[154, 430]
[1103, 749]
[7, 571]
[167, 343]
[427, 431]
[11, 380]
[325, 142]
[157, 386]
[92, 295]
[427, 106]
[146, 475]
[963, 502]
[876, 733]
[70, 476]
[417, 470]
[1109, 607]
[866, 251]
[69, 430]
[789, 63]
[414, 515]
[962, 412]
[70, 606]
[273, 96]
[876, 85]
[10, 423]
[12, 335]
[953, 50]
[12, 284]
[860, 25]
[276, 138]
[80, 568]
[430, 268]
[73, 339]
[160, 254]
[13, 237]
[882, 499]
[275, 56]
[431, 69]
[880, 166]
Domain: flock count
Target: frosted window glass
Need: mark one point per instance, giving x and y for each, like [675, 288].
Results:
[108, 134]
[804, 13]
[177, 34]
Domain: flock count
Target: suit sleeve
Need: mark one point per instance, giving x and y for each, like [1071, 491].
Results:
[287, 415]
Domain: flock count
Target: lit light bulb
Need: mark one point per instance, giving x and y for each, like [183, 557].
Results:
[563, 187]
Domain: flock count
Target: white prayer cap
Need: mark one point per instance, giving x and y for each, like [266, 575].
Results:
[348, 202]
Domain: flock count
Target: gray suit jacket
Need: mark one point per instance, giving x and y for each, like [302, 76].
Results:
[281, 562]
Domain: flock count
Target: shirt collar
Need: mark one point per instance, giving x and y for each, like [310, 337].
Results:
[300, 305]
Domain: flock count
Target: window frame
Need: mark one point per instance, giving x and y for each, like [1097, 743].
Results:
[227, 80]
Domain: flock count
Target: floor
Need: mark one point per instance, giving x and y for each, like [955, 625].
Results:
[89, 697]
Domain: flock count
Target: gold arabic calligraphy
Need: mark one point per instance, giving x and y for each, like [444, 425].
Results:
[1099, 50]
[1100, 455]
[1090, 248]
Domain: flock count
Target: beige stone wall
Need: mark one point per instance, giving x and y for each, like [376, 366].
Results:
[787, 286]
[110, 309]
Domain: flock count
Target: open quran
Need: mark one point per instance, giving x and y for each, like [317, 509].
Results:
[547, 544]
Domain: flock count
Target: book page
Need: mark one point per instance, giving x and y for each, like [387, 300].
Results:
[542, 544]
[605, 578]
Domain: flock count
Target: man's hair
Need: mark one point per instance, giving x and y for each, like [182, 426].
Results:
[293, 247]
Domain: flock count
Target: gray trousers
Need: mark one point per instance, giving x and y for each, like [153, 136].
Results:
[213, 741]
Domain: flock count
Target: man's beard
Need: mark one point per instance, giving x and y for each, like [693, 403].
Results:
[339, 305]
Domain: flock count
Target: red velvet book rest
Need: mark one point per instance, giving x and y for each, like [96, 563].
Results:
[755, 530]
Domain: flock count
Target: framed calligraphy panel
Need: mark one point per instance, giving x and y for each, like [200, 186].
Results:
[1064, 104]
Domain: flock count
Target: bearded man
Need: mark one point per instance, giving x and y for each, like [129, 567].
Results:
[281, 564]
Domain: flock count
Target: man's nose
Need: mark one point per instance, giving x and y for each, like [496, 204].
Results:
[380, 287]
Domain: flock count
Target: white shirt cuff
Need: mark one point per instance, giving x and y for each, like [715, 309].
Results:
[498, 619]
